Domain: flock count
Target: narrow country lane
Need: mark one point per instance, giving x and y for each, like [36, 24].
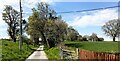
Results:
[38, 55]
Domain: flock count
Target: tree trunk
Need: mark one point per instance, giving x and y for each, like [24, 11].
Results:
[44, 38]
[114, 39]
[14, 39]
[10, 33]
[37, 40]
[14, 34]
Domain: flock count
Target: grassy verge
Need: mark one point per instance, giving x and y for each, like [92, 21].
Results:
[0, 50]
[52, 53]
[11, 52]
[94, 46]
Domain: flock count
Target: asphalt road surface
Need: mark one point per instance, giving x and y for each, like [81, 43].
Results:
[38, 55]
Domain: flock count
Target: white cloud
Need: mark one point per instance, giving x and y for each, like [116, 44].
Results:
[4, 37]
[98, 18]
[32, 3]
[106, 38]
[9, 2]
[29, 4]
[86, 0]
[25, 3]
[48, 1]
[3, 28]
[3, 25]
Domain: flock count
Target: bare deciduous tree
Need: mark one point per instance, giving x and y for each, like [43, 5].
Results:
[111, 28]
[11, 16]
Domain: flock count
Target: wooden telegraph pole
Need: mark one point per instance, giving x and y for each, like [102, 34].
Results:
[20, 42]
[119, 20]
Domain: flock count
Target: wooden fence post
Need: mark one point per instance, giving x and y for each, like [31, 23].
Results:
[77, 53]
[61, 52]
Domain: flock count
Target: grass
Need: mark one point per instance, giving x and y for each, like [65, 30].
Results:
[11, 52]
[0, 50]
[94, 46]
[53, 53]
[109, 47]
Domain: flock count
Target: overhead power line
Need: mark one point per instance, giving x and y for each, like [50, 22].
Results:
[81, 10]
[87, 10]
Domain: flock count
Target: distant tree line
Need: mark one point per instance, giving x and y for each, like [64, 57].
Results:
[92, 37]
[78, 37]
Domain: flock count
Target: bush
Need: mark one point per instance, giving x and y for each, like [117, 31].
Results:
[26, 40]
[53, 53]
[100, 39]
[84, 39]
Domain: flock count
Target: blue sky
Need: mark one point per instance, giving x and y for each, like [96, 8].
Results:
[85, 23]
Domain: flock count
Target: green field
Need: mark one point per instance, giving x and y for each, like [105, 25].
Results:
[11, 52]
[109, 47]
[94, 46]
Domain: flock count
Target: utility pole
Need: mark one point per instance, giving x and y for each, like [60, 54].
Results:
[119, 26]
[119, 20]
[20, 42]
